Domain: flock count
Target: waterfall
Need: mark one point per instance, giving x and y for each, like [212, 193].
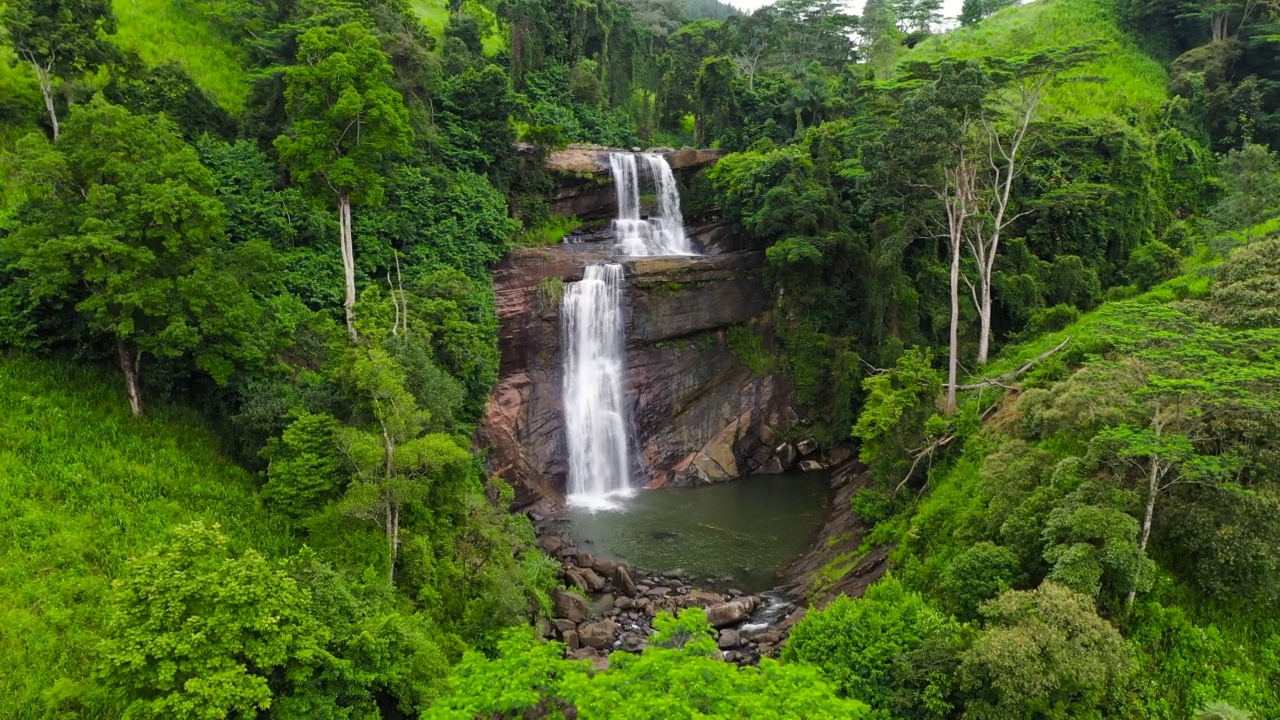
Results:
[661, 233]
[595, 406]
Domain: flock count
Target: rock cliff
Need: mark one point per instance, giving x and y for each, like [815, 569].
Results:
[699, 414]
[584, 186]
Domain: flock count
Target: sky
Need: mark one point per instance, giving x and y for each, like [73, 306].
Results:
[950, 8]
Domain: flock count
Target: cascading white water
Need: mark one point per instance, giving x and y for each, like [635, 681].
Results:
[596, 420]
[661, 233]
[594, 367]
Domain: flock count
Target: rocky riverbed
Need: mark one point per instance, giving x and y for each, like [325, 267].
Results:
[610, 606]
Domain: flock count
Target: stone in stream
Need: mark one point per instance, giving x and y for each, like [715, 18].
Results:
[552, 543]
[806, 446]
[594, 582]
[574, 578]
[633, 643]
[768, 637]
[598, 635]
[732, 612]
[773, 466]
[837, 455]
[677, 574]
[729, 639]
[786, 454]
[624, 582]
[796, 616]
[658, 591]
[811, 466]
[606, 566]
[570, 606]
[623, 603]
[584, 560]
[564, 626]
[703, 598]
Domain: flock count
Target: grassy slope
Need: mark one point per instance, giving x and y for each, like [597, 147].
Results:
[161, 32]
[435, 16]
[1133, 81]
[83, 487]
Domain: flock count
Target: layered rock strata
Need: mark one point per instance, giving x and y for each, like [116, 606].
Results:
[699, 414]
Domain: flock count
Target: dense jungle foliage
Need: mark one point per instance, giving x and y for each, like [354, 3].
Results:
[1030, 265]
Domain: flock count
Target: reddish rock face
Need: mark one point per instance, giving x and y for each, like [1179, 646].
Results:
[699, 414]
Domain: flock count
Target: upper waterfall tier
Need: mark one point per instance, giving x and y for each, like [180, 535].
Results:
[660, 232]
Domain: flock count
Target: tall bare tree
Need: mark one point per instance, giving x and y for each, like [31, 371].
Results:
[1021, 84]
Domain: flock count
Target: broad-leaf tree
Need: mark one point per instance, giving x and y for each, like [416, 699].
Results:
[394, 461]
[123, 226]
[197, 632]
[61, 39]
[348, 122]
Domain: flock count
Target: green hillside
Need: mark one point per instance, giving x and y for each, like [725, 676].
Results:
[161, 31]
[83, 487]
[1130, 79]
[435, 17]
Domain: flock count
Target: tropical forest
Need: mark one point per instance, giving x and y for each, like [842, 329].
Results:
[671, 359]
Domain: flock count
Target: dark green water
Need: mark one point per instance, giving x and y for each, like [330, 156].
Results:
[740, 533]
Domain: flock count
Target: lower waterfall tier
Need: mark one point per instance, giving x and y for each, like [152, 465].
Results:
[700, 414]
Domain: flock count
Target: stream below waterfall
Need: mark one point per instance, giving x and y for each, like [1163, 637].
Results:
[739, 534]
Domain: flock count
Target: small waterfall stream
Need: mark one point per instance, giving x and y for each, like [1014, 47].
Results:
[597, 425]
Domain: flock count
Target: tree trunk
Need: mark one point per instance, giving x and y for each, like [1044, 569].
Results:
[1153, 490]
[129, 361]
[393, 539]
[348, 261]
[984, 320]
[393, 507]
[953, 359]
[45, 78]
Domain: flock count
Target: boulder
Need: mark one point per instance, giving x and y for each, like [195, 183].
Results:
[564, 626]
[623, 603]
[786, 454]
[571, 640]
[768, 637]
[732, 612]
[584, 560]
[773, 466]
[573, 577]
[569, 606]
[796, 616]
[606, 566]
[806, 447]
[552, 543]
[623, 580]
[729, 639]
[633, 643]
[837, 455]
[704, 598]
[598, 635]
[594, 582]
[811, 466]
